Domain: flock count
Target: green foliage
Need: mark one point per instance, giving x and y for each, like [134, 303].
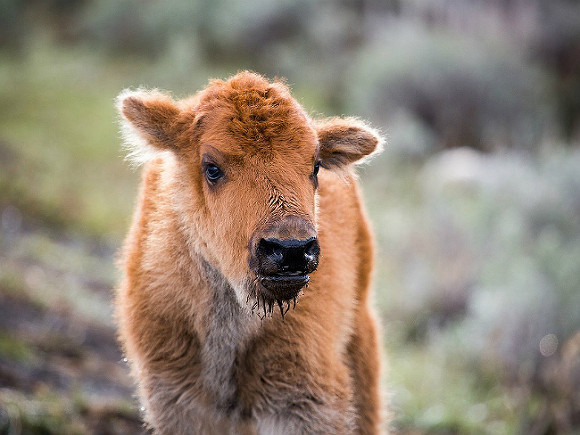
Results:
[60, 145]
[480, 255]
[45, 414]
[13, 348]
[462, 92]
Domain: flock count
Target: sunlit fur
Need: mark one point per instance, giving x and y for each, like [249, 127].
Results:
[210, 355]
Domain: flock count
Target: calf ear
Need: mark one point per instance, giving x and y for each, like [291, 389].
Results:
[149, 120]
[344, 141]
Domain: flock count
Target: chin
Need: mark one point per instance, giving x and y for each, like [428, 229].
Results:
[276, 291]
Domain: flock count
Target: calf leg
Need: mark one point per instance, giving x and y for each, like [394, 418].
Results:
[364, 361]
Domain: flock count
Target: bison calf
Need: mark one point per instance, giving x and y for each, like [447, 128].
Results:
[244, 306]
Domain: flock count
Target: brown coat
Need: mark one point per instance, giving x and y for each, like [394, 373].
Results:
[200, 317]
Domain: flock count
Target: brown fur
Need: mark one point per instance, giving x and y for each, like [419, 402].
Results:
[188, 307]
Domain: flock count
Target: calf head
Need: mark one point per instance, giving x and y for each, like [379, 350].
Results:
[244, 159]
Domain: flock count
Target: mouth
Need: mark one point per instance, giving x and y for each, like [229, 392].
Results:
[283, 286]
[280, 289]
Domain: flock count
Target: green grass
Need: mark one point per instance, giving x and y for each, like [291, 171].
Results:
[14, 348]
[434, 391]
[41, 413]
[470, 276]
[58, 119]
[47, 412]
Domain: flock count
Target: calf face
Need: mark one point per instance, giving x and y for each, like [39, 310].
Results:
[245, 159]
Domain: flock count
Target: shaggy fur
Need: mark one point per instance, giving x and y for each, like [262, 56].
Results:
[210, 353]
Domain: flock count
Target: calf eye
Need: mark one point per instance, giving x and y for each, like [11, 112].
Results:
[316, 169]
[314, 176]
[213, 173]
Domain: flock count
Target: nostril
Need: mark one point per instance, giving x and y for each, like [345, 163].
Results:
[311, 248]
[311, 253]
[276, 254]
[270, 254]
[270, 248]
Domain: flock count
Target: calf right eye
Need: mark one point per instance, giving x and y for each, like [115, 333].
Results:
[316, 169]
[213, 173]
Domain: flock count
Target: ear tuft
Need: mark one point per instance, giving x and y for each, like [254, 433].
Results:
[148, 120]
[344, 141]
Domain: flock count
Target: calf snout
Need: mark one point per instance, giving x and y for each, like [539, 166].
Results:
[287, 257]
[282, 256]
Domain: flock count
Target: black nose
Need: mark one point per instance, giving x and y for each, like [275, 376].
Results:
[287, 257]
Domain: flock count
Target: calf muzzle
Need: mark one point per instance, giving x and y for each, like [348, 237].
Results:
[283, 254]
[284, 265]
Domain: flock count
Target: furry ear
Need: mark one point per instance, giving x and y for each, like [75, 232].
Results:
[344, 141]
[148, 120]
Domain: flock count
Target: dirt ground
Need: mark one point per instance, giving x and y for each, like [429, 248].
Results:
[61, 370]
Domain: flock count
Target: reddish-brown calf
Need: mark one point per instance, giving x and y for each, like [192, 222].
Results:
[244, 306]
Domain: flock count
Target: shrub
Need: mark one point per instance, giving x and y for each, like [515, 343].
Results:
[466, 93]
[489, 264]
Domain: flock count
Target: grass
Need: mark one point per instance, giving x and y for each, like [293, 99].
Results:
[435, 391]
[14, 348]
[58, 119]
[472, 273]
[46, 412]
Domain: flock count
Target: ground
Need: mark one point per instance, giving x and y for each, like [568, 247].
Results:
[61, 370]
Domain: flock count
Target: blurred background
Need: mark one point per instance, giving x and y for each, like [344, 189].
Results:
[475, 201]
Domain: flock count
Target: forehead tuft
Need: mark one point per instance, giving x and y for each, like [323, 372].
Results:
[255, 111]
